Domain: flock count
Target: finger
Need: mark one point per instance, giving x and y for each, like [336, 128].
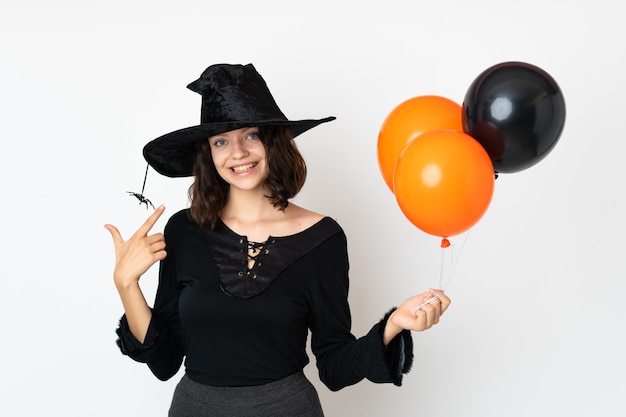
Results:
[157, 237]
[442, 300]
[157, 246]
[160, 255]
[436, 293]
[420, 321]
[437, 313]
[431, 315]
[445, 303]
[150, 221]
[115, 234]
[428, 298]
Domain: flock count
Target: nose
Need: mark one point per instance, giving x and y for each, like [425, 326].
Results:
[239, 149]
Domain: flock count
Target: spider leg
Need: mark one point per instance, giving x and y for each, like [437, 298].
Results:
[142, 199]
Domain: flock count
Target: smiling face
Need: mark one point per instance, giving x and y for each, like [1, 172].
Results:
[239, 157]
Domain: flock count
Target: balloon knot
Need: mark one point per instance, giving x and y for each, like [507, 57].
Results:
[445, 243]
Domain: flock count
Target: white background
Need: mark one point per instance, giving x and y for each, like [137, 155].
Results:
[536, 327]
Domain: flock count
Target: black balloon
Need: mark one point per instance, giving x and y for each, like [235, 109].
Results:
[517, 113]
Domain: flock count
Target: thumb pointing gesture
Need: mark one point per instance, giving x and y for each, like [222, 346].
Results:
[133, 257]
[117, 237]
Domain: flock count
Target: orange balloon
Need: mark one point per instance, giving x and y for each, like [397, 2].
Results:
[410, 119]
[444, 182]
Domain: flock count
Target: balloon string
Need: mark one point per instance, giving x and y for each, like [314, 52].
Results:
[443, 284]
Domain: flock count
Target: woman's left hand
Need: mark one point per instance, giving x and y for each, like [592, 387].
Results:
[414, 315]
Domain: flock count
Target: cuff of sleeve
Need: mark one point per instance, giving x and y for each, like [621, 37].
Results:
[130, 346]
[398, 353]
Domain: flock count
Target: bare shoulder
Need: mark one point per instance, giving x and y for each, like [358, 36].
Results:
[299, 219]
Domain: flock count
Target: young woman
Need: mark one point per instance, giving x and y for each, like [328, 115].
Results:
[246, 274]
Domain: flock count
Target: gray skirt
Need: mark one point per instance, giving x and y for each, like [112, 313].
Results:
[293, 396]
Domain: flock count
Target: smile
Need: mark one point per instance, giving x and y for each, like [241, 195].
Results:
[243, 168]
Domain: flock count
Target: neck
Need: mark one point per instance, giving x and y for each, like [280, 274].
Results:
[245, 206]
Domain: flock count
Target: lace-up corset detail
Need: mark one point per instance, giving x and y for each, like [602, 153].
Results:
[255, 249]
[246, 268]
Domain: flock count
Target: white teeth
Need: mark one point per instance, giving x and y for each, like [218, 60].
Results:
[243, 168]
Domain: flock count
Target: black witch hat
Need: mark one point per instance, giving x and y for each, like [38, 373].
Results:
[233, 97]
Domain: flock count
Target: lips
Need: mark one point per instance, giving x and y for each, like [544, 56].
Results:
[243, 168]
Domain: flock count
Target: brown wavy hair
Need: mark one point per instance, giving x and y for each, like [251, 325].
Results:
[287, 172]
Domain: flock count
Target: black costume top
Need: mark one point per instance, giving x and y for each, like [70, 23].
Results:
[236, 326]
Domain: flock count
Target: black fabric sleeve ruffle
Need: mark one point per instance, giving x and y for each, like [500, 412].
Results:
[159, 351]
[369, 358]
[386, 364]
[131, 347]
[398, 353]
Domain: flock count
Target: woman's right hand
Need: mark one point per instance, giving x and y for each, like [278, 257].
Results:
[133, 257]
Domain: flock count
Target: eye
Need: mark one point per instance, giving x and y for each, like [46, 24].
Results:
[218, 142]
[252, 136]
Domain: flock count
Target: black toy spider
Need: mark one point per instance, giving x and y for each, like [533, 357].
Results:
[142, 199]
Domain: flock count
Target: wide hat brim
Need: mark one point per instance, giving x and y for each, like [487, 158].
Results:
[174, 153]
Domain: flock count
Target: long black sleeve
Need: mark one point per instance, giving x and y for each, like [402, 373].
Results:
[162, 349]
[342, 359]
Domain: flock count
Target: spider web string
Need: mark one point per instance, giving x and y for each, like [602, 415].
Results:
[140, 196]
[145, 177]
